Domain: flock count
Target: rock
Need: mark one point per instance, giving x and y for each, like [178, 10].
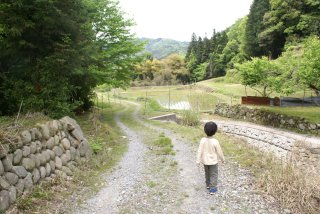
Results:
[66, 170]
[301, 126]
[51, 154]
[35, 134]
[20, 187]
[46, 155]
[1, 168]
[43, 172]
[20, 171]
[52, 165]
[61, 174]
[4, 200]
[53, 127]
[7, 163]
[17, 156]
[45, 131]
[42, 159]
[4, 184]
[28, 164]
[4, 149]
[66, 143]
[26, 151]
[315, 150]
[25, 137]
[50, 143]
[36, 159]
[33, 147]
[58, 163]
[69, 123]
[77, 134]
[28, 183]
[48, 170]
[39, 146]
[291, 122]
[313, 126]
[64, 159]
[11, 178]
[35, 176]
[56, 140]
[73, 152]
[71, 166]
[12, 194]
[83, 148]
[58, 151]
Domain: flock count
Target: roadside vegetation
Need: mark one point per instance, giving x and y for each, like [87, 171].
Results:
[108, 147]
[295, 188]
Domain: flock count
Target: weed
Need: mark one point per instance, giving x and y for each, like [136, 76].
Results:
[96, 145]
[174, 163]
[164, 145]
[190, 118]
[151, 184]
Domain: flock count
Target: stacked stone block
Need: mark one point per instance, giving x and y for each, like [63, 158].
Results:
[41, 153]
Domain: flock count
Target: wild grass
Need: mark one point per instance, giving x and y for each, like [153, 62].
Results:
[312, 114]
[295, 188]
[108, 146]
[190, 118]
[163, 145]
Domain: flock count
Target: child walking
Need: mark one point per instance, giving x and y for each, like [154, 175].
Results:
[209, 153]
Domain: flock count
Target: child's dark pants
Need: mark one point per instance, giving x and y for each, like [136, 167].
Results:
[211, 173]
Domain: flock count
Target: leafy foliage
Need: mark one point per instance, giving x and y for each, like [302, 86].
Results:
[53, 53]
[168, 71]
[259, 72]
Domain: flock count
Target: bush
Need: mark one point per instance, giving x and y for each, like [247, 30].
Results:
[190, 118]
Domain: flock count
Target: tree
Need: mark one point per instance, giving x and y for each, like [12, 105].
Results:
[309, 70]
[254, 27]
[289, 21]
[62, 50]
[259, 74]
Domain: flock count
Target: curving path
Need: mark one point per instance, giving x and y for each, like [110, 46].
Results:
[145, 183]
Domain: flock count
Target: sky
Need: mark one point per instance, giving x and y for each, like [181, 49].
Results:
[178, 19]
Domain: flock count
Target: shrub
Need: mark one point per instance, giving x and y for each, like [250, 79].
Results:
[190, 118]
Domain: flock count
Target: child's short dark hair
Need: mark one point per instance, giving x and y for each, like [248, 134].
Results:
[210, 128]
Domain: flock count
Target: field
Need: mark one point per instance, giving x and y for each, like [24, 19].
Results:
[203, 97]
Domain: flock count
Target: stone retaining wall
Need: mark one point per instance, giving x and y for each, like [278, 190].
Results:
[264, 117]
[302, 150]
[42, 153]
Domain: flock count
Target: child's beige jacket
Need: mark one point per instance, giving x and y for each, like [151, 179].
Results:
[209, 151]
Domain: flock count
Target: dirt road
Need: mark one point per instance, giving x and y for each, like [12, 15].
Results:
[144, 182]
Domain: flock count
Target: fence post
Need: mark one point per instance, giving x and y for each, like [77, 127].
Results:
[169, 98]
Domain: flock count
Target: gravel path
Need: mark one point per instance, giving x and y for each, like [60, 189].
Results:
[121, 180]
[147, 183]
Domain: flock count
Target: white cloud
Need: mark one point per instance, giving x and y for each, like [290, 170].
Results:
[178, 19]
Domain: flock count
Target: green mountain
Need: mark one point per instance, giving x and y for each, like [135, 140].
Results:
[160, 48]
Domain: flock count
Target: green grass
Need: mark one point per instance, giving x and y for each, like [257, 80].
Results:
[202, 101]
[108, 146]
[163, 145]
[312, 114]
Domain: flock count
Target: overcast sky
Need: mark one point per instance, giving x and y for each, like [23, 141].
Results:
[178, 19]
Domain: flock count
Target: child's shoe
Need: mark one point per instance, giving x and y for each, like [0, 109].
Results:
[213, 190]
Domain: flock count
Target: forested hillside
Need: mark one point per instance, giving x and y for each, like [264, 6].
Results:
[276, 48]
[161, 48]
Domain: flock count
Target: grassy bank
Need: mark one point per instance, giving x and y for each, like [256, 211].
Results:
[103, 135]
[296, 189]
